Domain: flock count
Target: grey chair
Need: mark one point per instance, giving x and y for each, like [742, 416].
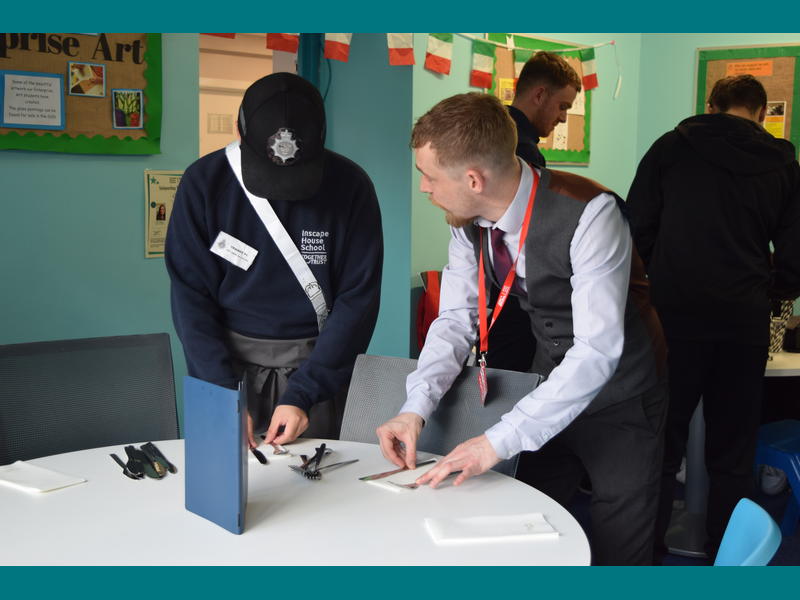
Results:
[68, 395]
[378, 390]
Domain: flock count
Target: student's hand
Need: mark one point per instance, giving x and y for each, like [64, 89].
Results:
[472, 457]
[287, 423]
[398, 439]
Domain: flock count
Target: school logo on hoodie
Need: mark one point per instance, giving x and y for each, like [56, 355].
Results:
[313, 246]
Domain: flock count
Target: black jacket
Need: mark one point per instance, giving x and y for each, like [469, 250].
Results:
[707, 200]
[527, 139]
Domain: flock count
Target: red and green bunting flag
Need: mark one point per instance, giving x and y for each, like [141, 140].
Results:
[284, 42]
[401, 48]
[589, 69]
[482, 64]
[520, 58]
[439, 56]
[337, 46]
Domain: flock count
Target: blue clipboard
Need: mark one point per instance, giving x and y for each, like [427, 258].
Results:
[214, 420]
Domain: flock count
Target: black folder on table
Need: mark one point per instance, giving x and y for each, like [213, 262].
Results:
[216, 452]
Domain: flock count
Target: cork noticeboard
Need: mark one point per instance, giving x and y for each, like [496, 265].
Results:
[776, 67]
[97, 93]
[569, 143]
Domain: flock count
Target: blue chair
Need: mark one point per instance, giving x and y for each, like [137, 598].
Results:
[751, 537]
[779, 446]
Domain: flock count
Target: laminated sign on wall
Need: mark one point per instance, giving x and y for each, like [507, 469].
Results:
[97, 93]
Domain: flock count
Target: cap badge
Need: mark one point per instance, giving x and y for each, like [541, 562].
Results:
[283, 147]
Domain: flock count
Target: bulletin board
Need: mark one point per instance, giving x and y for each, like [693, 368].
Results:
[569, 143]
[776, 67]
[85, 93]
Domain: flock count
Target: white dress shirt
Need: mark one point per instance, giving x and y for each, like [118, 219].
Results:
[600, 253]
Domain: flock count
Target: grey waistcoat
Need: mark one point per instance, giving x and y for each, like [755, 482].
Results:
[559, 204]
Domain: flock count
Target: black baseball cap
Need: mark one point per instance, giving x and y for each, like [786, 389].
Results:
[282, 126]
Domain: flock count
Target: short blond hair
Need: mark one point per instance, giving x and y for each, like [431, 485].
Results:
[472, 128]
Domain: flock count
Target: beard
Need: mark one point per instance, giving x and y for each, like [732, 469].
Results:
[455, 221]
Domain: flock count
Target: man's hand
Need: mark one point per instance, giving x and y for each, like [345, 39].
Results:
[293, 420]
[472, 457]
[398, 439]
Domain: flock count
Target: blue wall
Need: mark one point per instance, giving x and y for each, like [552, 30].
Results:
[613, 134]
[72, 258]
[368, 107]
[72, 254]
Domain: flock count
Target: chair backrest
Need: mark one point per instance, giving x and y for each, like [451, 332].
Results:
[378, 390]
[68, 395]
[751, 537]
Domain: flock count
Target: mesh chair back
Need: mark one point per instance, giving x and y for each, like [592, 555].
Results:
[751, 538]
[71, 395]
[378, 390]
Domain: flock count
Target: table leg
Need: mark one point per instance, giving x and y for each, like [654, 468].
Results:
[686, 535]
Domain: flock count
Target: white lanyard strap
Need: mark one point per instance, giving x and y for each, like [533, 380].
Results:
[281, 238]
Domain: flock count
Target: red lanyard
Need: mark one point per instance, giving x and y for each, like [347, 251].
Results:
[512, 273]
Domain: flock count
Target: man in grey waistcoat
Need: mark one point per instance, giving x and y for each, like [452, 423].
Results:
[599, 342]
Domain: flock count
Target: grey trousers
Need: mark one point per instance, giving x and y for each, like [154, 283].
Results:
[269, 365]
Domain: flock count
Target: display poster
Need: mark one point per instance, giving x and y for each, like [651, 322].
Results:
[87, 93]
[776, 67]
[568, 144]
[159, 195]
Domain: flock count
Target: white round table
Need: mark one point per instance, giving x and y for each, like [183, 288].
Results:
[339, 520]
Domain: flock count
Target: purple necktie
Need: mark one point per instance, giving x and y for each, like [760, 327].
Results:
[500, 256]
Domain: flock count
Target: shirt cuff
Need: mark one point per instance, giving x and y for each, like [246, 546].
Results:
[504, 439]
[419, 405]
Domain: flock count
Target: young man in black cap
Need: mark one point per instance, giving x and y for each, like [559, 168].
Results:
[274, 252]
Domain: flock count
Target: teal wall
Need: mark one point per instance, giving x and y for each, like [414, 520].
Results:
[613, 133]
[72, 258]
[368, 105]
[668, 74]
[73, 233]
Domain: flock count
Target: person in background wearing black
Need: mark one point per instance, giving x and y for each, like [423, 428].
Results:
[237, 299]
[707, 200]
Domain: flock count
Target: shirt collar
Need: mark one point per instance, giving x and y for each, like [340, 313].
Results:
[511, 221]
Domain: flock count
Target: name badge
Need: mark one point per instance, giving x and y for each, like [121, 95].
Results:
[234, 251]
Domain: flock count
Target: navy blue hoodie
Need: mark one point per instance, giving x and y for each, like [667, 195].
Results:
[339, 234]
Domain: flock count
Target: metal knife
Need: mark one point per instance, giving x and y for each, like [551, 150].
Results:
[387, 473]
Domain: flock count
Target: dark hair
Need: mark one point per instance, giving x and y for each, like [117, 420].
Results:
[549, 69]
[473, 127]
[738, 91]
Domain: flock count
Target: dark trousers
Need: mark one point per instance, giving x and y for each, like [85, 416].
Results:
[621, 448]
[511, 342]
[729, 378]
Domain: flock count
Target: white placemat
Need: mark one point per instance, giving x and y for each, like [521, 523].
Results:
[34, 479]
[494, 528]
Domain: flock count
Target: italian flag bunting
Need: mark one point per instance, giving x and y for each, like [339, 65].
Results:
[337, 46]
[284, 42]
[401, 48]
[520, 58]
[439, 56]
[482, 64]
[589, 69]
